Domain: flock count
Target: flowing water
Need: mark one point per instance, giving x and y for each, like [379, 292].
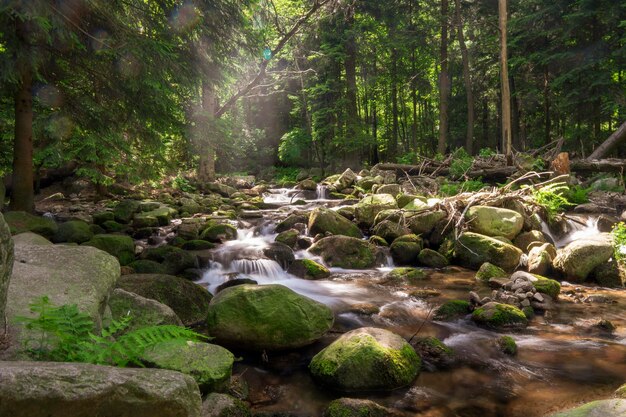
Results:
[561, 360]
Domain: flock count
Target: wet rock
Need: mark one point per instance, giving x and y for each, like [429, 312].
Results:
[20, 222]
[269, 317]
[288, 237]
[189, 301]
[405, 249]
[405, 275]
[144, 311]
[488, 271]
[345, 180]
[526, 238]
[290, 221]
[323, 220]
[232, 282]
[580, 257]
[473, 249]
[434, 353]
[352, 407]
[507, 345]
[219, 233]
[280, 253]
[125, 210]
[367, 209]
[345, 252]
[223, 405]
[307, 184]
[601, 408]
[452, 310]
[390, 230]
[366, 359]
[120, 246]
[48, 389]
[433, 259]
[308, 269]
[494, 221]
[500, 316]
[609, 274]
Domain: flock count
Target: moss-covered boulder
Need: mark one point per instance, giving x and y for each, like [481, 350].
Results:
[353, 407]
[20, 222]
[157, 217]
[526, 238]
[197, 244]
[323, 220]
[219, 233]
[452, 310]
[144, 312]
[103, 216]
[269, 317]
[210, 365]
[600, 408]
[189, 301]
[621, 392]
[125, 210]
[542, 284]
[111, 226]
[173, 259]
[390, 230]
[488, 271]
[494, 221]
[404, 275]
[499, 316]
[473, 249]
[580, 257]
[73, 231]
[120, 246]
[29, 238]
[366, 359]
[367, 209]
[433, 351]
[404, 199]
[288, 237]
[507, 345]
[290, 221]
[147, 266]
[345, 252]
[405, 249]
[432, 258]
[345, 180]
[223, 405]
[417, 204]
[308, 269]
[424, 222]
[221, 189]
[609, 274]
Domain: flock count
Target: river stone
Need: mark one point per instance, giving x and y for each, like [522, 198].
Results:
[290, 221]
[452, 310]
[621, 392]
[500, 316]
[48, 389]
[222, 189]
[120, 246]
[494, 221]
[6, 263]
[345, 180]
[404, 275]
[210, 365]
[609, 274]
[473, 249]
[323, 220]
[29, 238]
[66, 274]
[366, 359]
[424, 222]
[542, 284]
[20, 222]
[189, 301]
[367, 209]
[393, 189]
[600, 408]
[390, 230]
[223, 405]
[345, 252]
[218, 233]
[73, 231]
[144, 312]
[308, 269]
[488, 271]
[540, 259]
[174, 260]
[416, 205]
[405, 249]
[353, 407]
[526, 238]
[432, 259]
[125, 210]
[269, 317]
[580, 257]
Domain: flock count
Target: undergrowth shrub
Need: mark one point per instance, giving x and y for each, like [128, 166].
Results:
[461, 163]
[619, 242]
[65, 334]
[552, 198]
[454, 188]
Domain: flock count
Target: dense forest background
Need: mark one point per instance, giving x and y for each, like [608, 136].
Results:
[134, 90]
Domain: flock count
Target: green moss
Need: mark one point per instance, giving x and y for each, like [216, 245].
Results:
[499, 315]
[197, 244]
[405, 253]
[323, 220]
[406, 275]
[125, 210]
[219, 232]
[345, 252]
[288, 237]
[146, 266]
[621, 392]
[507, 345]
[73, 231]
[432, 258]
[452, 310]
[173, 259]
[377, 241]
[120, 246]
[488, 271]
[424, 222]
[111, 226]
[473, 249]
[600, 408]
[103, 216]
[20, 222]
[314, 269]
[547, 286]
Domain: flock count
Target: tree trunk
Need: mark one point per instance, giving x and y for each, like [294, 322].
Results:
[206, 164]
[469, 136]
[22, 192]
[444, 81]
[606, 147]
[504, 83]
[352, 116]
[392, 148]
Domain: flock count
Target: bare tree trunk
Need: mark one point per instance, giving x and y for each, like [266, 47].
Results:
[206, 165]
[22, 192]
[392, 147]
[444, 81]
[352, 116]
[504, 83]
[606, 146]
[467, 79]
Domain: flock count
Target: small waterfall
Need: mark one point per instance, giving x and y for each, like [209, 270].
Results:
[576, 230]
[266, 268]
[321, 192]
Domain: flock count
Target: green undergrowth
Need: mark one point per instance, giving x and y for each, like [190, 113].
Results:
[552, 198]
[65, 334]
[619, 242]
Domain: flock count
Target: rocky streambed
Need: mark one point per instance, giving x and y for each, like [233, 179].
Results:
[382, 304]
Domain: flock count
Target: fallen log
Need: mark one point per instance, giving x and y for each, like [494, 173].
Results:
[607, 146]
[598, 165]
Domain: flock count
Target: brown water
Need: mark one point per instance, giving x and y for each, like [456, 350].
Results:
[560, 362]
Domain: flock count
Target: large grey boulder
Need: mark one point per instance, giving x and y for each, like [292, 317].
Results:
[494, 221]
[47, 389]
[145, 312]
[323, 220]
[580, 257]
[473, 249]
[367, 209]
[6, 262]
[80, 275]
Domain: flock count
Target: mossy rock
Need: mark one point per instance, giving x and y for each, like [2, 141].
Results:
[621, 392]
[142, 220]
[210, 365]
[390, 230]
[189, 301]
[345, 180]
[111, 226]
[494, 221]
[524, 239]
[366, 359]
[507, 345]
[20, 222]
[353, 407]
[378, 241]
[488, 271]
[224, 405]
[173, 259]
[120, 246]
[406, 275]
[145, 206]
[280, 253]
[73, 231]
[405, 252]
[103, 216]
[290, 221]
[145, 312]
[452, 310]
[609, 274]
[308, 269]
[345, 252]
[271, 317]
[600, 408]
[323, 220]
[473, 249]
[405, 199]
[125, 210]
[416, 205]
[288, 237]
[29, 238]
[367, 209]
[218, 233]
[579, 258]
[146, 266]
[547, 286]
[433, 259]
[424, 222]
[197, 244]
[433, 351]
[499, 316]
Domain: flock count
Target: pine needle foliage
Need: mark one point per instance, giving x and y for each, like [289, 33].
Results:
[65, 334]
